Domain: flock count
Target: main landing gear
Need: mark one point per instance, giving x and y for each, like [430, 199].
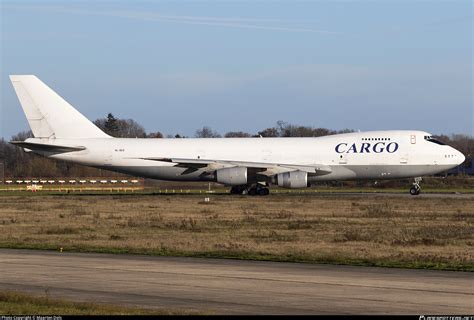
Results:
[416, 189]
[238, 189]
[256, 189]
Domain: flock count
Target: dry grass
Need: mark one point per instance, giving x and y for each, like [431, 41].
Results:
[20, 303]
[434, 232]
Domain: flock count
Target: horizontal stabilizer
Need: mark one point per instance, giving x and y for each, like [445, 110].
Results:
[46, 147]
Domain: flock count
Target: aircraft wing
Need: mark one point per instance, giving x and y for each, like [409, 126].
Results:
[262, 168]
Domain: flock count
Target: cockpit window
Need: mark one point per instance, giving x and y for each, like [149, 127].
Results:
[436, 141]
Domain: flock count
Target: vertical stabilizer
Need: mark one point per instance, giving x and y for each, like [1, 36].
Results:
[49, 115]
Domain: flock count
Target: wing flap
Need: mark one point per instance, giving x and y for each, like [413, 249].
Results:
[267, 169]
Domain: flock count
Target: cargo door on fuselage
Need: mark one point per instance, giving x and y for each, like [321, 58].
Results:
[407, 146]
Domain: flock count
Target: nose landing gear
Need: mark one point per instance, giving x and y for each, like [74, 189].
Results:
[416, 189]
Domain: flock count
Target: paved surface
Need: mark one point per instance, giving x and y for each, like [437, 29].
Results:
[391, 194]
[236, 287]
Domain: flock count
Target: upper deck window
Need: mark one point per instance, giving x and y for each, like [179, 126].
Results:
[375, 139]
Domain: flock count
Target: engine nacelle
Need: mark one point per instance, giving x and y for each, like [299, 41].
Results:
[234, 176]
[293, 179]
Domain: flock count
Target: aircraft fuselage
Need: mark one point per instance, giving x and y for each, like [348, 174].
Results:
[358, 155]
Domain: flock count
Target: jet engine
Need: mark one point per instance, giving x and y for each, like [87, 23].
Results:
[234, 176]
[293, 179]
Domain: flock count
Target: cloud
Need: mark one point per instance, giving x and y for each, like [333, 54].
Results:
[243, 23]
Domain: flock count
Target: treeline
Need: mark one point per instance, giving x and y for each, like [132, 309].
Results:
[282, 129]
[128, 128]
[124, 128]
[19, 164]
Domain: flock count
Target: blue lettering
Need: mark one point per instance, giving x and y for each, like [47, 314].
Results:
[365, 147]
[338, 146]
[378, 150]
[395, 148]
[378, 147]
[352, 149]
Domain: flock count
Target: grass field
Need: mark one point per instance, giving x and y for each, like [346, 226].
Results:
[435, 232]
[18, 303]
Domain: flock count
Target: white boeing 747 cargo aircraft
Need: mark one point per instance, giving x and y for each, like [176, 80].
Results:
[247, 165]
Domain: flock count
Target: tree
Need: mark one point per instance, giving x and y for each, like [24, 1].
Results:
[269, 132]
[120, 128]
[237, 134]
[111, 126]
[128, 128]
[345, 131]
[207, 132]
[321, 132]
[23, 135]
[296, 131]
[156, 134]
[176, 136]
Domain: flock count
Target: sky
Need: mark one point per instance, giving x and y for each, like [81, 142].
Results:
[176, 66]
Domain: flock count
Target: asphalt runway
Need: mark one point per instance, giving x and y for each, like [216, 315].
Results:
[395, 194]
[236, 287]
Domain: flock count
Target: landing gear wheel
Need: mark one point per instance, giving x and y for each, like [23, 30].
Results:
[252, 191]
[263, 192]
[238, 189]
[414, 191]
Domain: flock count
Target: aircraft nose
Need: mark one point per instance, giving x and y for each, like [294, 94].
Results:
[459, 157]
